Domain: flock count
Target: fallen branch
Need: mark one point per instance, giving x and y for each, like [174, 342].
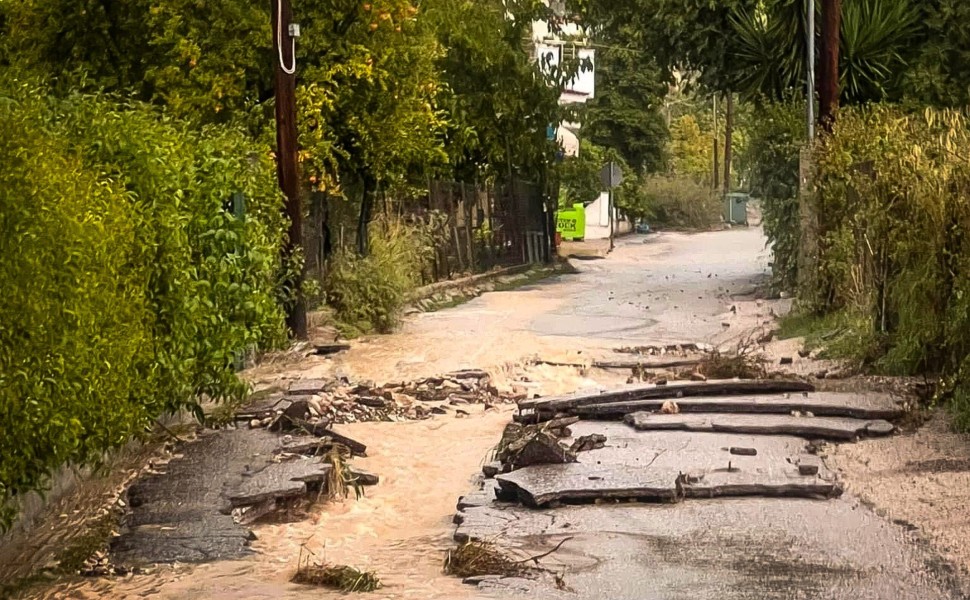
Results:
[535, 559]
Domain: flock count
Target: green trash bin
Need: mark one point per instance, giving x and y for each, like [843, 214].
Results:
[736, 208]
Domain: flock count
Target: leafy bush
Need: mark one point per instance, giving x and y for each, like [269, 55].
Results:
[367, 293]
[128, 286]
[679, 202]
[772, 156]
[894, 206]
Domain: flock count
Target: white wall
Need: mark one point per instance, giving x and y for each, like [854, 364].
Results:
[598, 220]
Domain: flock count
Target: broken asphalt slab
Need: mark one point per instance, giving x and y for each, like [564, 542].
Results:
[825, 428]
[820, 404]
[182, 512]
[721, 549]
[547, 407]
[669, 466]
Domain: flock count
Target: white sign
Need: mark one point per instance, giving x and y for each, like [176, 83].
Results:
[584, 83]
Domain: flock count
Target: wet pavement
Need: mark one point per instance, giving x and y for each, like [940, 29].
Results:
[652, 289]
[624, 547]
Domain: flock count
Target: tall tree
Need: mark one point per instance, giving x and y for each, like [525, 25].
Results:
[626, 113]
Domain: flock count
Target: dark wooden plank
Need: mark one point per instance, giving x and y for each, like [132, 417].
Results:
[554, 404]
[857, 406]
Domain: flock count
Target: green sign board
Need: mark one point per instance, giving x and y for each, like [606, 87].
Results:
[571, 222]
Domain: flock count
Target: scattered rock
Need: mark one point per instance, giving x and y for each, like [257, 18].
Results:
[535, 448]
[594, 441]
[293, 416]
[670, 408]
[809, 465]
[744, 451]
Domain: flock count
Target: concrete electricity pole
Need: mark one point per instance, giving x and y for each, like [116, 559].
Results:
[285, 33]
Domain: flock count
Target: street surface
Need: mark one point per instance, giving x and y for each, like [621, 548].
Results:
[652, 290]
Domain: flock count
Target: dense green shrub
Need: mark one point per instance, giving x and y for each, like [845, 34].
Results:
[894, 207]
[127, 285]
[367, 293]
[771, 158]
[679, 202]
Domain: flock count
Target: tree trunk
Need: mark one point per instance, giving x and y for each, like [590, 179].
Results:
[728, 134]
[828, 81]
[363, 218]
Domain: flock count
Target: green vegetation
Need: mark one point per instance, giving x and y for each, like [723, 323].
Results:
[679, 202]
[133, 285]
[367, 293]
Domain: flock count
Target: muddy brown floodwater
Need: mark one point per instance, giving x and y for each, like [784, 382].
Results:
[401, 529]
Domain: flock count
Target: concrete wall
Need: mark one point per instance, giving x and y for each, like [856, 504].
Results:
[598, 220]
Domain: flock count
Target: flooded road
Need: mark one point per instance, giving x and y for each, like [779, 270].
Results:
[661, 288]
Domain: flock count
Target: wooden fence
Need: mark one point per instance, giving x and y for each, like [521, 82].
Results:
[474, 227]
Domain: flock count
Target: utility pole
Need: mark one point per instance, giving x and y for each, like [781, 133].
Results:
[810, 60]
[728, 135]
[717, 146]
[828, 87]
[285, 33]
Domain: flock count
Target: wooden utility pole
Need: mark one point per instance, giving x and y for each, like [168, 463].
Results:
[828, 82]
[728, 135]
[287, 165]
[717, 148]
[810, 65]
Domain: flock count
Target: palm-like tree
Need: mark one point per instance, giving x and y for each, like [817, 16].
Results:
[769, 48]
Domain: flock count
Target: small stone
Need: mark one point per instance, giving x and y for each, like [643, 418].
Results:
[315, 407]
[786, 360]
[698, 377]
[807, 466]
[255, 424]
[744, 451]
[670, 408]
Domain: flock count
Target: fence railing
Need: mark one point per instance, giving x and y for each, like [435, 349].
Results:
[473, 227]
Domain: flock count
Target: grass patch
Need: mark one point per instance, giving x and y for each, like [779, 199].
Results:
[339, 577]
[480, 558]
[838, 336]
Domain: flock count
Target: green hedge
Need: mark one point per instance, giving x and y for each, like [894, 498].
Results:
[894, 217]
[771, 160]
[127, 285]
